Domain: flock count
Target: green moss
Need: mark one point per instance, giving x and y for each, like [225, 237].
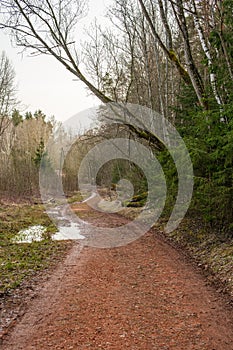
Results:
[77, 197]
[137, 201]
[18, 261]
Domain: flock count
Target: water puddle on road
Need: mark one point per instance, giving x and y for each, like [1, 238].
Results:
[69, 232]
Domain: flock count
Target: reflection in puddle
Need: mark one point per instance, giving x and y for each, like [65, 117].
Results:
[68, 228]
[69, 232]
[31, 234]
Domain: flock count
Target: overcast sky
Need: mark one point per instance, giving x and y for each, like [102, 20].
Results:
[45, 84]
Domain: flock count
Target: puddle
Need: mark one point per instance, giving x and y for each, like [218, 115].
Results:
[31, 234]
[68, 228]
[69, 232]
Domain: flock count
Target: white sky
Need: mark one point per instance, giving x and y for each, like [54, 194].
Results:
[45, 84]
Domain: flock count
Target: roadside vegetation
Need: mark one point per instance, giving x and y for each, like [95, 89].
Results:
[211, 250]
[20, 261]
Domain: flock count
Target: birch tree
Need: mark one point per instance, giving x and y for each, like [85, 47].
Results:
[205, 43]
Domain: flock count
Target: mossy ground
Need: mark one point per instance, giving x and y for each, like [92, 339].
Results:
[75, 197]
[19, 261]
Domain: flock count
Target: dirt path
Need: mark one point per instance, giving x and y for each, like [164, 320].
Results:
[143, 296]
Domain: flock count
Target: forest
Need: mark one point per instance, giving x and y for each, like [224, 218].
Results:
[174, 57]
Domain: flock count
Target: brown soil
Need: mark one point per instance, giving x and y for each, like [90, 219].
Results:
[145, 295]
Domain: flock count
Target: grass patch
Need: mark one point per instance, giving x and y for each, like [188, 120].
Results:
[77, 197]
[18, 261]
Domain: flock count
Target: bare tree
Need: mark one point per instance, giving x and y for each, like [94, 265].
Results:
[7, 92]
[47, 27]
[167, 48]
[190, 76]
